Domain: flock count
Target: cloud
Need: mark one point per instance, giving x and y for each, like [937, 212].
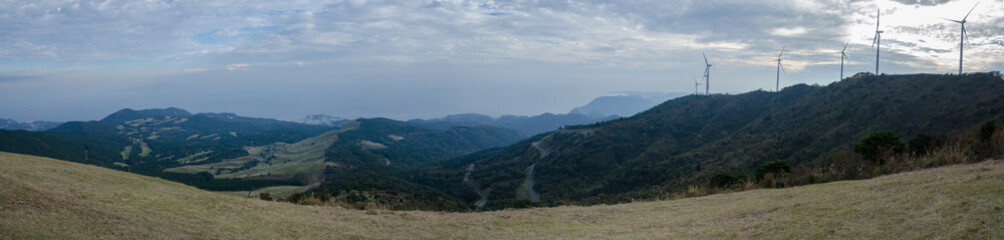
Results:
[195, 70]
[237, 67]
[603, 46]
[635, 33]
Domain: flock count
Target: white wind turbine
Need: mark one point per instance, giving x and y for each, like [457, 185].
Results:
[777, 85]
[963, 37]
[697, 85]
[877, 41]
[843, 56]
[707, 75]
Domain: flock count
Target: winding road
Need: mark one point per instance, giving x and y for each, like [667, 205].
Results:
[467, 179]
[529, 172]
[543, 152]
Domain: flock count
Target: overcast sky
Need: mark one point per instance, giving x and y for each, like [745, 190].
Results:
[81, 60]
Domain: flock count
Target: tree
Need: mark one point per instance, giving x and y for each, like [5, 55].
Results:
[877, 146]
[776, 168]
[987, 130]
[724, 179]
[921, 144]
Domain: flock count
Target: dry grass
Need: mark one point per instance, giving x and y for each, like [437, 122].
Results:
[43, 198]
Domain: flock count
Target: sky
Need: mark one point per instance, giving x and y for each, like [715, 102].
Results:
[82, 60]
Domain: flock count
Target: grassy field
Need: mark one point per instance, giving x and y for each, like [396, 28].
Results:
[275, 192]
[43, 198]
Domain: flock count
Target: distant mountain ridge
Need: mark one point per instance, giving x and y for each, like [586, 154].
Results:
[323, 120]
[527, 125]
[10, 124]
[600, 109]
[624, 105]
[130, 114]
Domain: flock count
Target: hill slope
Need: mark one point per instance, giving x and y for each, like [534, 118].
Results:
[228, 152]
[683, 141]
[45, 198]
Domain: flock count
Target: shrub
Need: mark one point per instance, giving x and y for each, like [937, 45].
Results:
[921, 144]
[309, 199]
[987, 130]
[775, 168]
[724, 179]
[877, 146]
[265, 196]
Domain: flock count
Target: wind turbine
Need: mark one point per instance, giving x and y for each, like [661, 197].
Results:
[877, 41]
[963, 37]
[843, 55]
[697, 85]
[707, 75]
[777, 85]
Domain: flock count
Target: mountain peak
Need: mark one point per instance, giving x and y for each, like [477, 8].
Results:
[130, 114]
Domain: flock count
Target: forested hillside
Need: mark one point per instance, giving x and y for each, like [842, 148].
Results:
[227, 152]
[683, 141]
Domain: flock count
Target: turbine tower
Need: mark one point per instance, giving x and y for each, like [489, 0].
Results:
[877, 41]
[843, 55]
[707, 75]
[777, 85]
[963, 37]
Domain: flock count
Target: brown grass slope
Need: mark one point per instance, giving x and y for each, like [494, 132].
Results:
[42, 198]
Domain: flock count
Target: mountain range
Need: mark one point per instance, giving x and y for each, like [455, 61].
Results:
[682, 142]
[600, 109]
[9, 124]
[228, 152]
[461, 163]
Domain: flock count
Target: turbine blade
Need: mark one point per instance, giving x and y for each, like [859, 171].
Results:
[705, 59]
[970, 11]
[874, 40]
[782, 52]
[964, 33]
[782, 67]
[878, 18]
[956, 21]
[845, 47]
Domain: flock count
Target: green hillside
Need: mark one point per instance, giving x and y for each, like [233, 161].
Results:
[682, 142]
[44, 198]
[227, 152]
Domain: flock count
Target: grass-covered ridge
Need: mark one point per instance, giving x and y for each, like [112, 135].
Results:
[44, 198]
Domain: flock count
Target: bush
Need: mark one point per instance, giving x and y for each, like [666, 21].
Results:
[724, 179]
[309, 199]
[921, 144]
[987, 130]
[775, 168]
[265, 196]
[877, 146]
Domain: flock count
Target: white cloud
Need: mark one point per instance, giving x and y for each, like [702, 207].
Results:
[237, 67]
[789, 32]
[629, 44]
